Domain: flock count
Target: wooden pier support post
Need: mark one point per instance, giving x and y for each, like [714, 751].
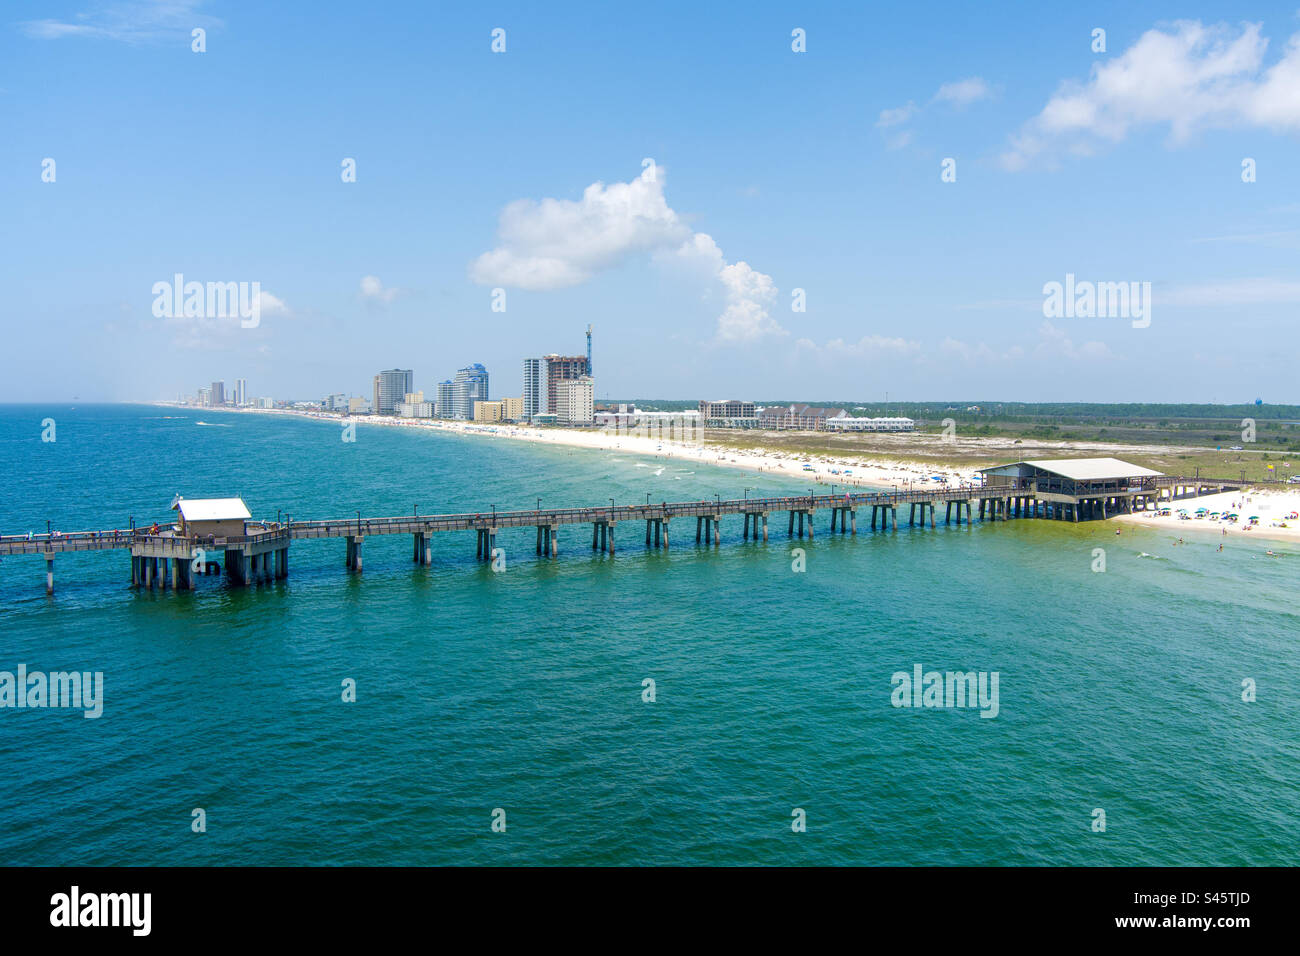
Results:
[948, 516]
[717, 532]
[893, 517]
[811, 533]
[853, 521]
[609, 536]
[664, 530]
[791, 524]
[764, 527]
[49, 572]
[699, 527]
[553, 536]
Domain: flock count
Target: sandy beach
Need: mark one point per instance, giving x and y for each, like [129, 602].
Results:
[1272, 508]
[820, 469]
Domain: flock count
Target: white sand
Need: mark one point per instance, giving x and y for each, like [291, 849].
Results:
[865, 473]
[1271, 506]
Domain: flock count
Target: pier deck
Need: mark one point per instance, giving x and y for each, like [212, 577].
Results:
[262, 552]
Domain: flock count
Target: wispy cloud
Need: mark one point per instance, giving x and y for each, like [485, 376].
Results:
[127, 21]
[963, 92]
[1233, 292]
[897, 116]
[958, 94]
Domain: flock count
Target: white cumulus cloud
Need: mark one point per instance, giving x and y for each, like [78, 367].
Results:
[558, 243]
[1187, 77]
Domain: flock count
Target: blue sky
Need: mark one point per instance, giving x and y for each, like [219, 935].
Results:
[774, 171]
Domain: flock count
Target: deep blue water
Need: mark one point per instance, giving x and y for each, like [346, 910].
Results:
[523, 690]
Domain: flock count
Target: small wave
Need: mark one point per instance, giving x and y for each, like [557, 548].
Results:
[1156, 556]
[213, 424]
[658, 472]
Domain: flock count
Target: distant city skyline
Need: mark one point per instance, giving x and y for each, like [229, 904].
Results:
[880, 211]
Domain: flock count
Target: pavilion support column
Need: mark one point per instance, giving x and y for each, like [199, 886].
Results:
[175, 572]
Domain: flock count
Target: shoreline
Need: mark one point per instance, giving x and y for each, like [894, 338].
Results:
[825, 469]
[1271, 506]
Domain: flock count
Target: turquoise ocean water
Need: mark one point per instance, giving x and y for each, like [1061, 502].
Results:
[523, 690]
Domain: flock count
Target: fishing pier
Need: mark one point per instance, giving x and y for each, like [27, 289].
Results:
[213, 535]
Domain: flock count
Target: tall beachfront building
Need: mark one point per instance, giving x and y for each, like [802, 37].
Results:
[575, 401]
[218, 393]
[534, 386]
[542, 377]
[469, 386]
[241, 392]
[391, 386]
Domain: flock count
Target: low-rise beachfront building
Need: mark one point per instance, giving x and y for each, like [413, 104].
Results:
[870, 425]
[798, 417]
[728, 413]
[1083, 487]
